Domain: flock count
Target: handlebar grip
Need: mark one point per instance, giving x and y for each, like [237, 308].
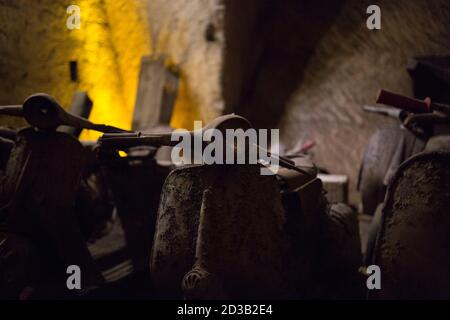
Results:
[132, 140]
[404, 103]
[15, 111]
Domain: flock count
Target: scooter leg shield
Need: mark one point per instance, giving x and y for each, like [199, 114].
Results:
[413, 245]
[243, 244]
[386, 150]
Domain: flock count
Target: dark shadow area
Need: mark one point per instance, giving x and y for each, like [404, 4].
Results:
[268, 45]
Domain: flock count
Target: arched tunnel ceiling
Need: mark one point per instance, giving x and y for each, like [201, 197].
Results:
[268, 44]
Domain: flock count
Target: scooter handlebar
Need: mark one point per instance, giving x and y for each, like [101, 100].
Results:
[43, 111]
[404, 103]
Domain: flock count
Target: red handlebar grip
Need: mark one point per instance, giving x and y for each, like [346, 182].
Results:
[404, 103]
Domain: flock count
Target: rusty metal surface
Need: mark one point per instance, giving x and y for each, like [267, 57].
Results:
[228, 232]
[38, 198]
[413, 246]
[246, 245]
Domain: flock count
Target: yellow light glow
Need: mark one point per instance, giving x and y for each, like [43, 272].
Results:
[113, 37]
[185, 110]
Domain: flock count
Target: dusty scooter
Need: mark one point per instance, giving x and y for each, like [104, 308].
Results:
[389, 147]
[123, 251]
[40, 233]
[409, 237]
[225, 231]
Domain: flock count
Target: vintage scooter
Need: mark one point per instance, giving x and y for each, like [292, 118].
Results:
[93, 202]
[389, 147]
[226, 231]
[40, 232]
[409, 239]
[109, 194]
[81, 106]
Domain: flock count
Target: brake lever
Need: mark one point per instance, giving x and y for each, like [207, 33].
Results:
[44, 112]
[231, 121]
[14, 111]
[425, 119]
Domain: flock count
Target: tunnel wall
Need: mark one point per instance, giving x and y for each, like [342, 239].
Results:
[349, 66]
[268, 44]
[307, 67]
[179, 32]
[36, 47]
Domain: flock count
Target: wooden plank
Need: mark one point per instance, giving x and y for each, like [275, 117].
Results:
[156, 94]
[81, 106]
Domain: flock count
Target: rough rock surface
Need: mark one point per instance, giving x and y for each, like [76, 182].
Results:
[348, 67]
[179, 32]
[37, 48]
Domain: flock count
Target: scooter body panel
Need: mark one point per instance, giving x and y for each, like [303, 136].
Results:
[413, 244]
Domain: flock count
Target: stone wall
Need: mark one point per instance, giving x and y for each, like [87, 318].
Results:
[32, 59]
[37, 48]
[303, 66]
[268, 45]
[348, 67]
[179, 32]
[308, 66]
